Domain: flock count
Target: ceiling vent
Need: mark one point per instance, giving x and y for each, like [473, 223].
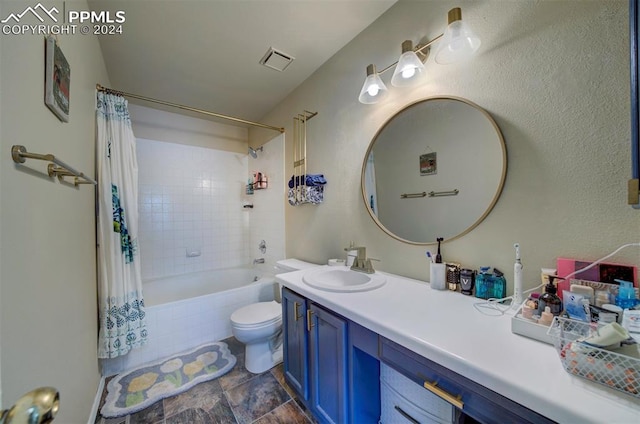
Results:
[276, 59]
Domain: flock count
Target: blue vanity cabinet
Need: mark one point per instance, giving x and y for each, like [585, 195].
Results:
[472, 400]
[328, 365]
[315, 357]
[295, 347]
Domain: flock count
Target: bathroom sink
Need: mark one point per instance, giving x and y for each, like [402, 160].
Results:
[342, 279]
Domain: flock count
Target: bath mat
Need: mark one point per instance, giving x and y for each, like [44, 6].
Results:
[142, 387]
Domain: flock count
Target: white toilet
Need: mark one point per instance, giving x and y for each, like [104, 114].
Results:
[259, 326]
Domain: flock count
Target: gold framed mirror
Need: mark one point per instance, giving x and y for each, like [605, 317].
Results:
[435, 169]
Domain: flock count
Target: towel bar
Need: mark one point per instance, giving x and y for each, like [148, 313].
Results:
[453, 192]
[20, 155]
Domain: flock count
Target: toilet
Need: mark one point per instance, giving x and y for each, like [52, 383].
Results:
[259, 326]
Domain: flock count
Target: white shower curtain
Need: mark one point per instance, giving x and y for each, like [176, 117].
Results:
[121, 305]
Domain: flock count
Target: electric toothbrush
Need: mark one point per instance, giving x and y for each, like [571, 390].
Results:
[517, 279]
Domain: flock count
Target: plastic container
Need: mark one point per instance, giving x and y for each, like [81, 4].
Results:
[626, 295]
[437, 278]
[490, 285]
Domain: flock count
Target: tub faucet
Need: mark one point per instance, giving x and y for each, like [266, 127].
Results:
[258, 261]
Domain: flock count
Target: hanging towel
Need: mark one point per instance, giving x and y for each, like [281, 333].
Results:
[310, 180]
[314, 195]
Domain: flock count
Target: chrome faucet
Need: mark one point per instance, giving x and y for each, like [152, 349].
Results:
[258, 261]
[361, 263]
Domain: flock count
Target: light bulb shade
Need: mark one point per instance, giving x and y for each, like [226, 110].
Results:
[373, 89]
[408, 69]
[458, 43]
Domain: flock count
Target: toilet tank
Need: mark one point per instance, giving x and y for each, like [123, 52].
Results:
[289, 265]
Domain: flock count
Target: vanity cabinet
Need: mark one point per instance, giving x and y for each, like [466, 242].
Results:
[315, 356]
[334, 366]
[295, 346]
[328, 364]
[469, 397]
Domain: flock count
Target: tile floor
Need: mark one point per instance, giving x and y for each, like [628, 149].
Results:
[237, 397]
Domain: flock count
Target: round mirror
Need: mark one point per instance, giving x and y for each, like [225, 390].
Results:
[434, 169]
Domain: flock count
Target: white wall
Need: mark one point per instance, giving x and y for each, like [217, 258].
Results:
[48, 314]
[555, 77]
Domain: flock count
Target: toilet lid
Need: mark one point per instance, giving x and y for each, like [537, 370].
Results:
[257, 313]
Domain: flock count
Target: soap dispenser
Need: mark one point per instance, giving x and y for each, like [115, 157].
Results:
[550, 299]
[626, 298]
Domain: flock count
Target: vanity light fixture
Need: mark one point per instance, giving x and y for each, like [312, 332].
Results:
[458, 43]
[373, 89]
[409, 66]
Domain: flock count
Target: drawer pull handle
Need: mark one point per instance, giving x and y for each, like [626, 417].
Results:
[404, 414]
[454, 400]
[310, 323]
[296, 305]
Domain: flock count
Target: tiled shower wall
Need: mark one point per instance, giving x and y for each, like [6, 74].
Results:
[190, 202]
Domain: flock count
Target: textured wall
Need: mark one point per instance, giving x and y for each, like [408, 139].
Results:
[553, 74]
[47, 250]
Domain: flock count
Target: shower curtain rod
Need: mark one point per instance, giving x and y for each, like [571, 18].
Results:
[189, 108]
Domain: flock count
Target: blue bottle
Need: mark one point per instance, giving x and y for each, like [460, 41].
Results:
[499, 284]
[483, 283]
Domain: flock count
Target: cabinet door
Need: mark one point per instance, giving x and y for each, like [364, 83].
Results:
[328, 359]
[296, 367]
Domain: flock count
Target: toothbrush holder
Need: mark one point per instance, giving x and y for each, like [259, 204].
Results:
[437, 279]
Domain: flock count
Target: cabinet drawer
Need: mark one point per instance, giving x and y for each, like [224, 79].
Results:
[475, 400]
[413, 395]
[397, 409]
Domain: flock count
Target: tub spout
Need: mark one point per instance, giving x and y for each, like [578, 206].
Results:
[258, 261]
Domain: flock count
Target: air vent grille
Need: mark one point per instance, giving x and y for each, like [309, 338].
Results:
[276, 59]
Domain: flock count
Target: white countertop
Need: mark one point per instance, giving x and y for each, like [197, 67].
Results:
[446, 328]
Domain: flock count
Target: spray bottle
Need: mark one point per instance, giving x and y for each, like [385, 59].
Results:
[517, 279]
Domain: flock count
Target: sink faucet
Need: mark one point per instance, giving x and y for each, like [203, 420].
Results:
[361, 263]
[258, 261]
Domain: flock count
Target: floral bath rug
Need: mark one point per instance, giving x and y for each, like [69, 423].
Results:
[142, 387]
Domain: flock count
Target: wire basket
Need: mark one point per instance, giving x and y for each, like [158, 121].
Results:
[611, 369]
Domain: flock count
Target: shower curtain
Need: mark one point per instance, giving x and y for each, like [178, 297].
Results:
[121, 305]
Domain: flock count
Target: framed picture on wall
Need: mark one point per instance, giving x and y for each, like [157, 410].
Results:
[57, 80]
[428, 164]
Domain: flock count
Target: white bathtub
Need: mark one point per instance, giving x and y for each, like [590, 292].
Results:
[188, 310]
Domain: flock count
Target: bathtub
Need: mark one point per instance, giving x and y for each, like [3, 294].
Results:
[185, 311]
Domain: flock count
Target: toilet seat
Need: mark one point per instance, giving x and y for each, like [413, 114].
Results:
[257, 315]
